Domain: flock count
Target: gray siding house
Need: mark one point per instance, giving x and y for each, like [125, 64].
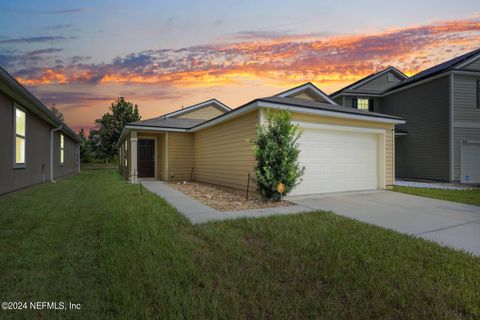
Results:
[36, 145]
[441, 138]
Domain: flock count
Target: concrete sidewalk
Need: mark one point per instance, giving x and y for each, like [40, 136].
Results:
[197, 212]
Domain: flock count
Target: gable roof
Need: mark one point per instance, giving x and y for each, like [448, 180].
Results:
[27, 100]
[163, 122]
[216, 103]
[369, 78]
[306, 87]
[325, 106]
[439, 68]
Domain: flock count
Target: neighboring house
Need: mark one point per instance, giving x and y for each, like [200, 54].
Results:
[343, 149]
[36, 145]
[441, 138]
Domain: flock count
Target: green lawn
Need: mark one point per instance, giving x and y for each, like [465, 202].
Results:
[95, 240]
[462, 196]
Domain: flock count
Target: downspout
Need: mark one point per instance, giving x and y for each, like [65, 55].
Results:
[51, 152]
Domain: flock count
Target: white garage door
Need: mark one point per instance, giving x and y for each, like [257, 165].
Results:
[470, 163]
[337, 160]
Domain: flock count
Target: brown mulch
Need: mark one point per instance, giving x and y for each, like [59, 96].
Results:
[221, 199]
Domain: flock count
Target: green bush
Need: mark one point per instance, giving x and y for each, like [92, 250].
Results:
[276, 152]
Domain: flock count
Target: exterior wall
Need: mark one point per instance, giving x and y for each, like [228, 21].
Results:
[379, 84]
[162, 157]
[37, 151]
[473, 66]
[180, 155]
[204, 113]
[424, 152]
[69, 165]
[348, 101]
[308, 95]
[389, 161]
[223, 153]
[466, 115]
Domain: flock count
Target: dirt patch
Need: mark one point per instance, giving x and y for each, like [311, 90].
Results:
[221, 199]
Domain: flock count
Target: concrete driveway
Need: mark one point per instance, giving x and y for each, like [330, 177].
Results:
[448, 223]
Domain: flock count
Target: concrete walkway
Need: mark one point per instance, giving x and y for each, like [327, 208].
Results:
[452, 224]
[197, 212]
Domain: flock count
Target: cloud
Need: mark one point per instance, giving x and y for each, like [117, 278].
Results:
[43, 51]
[275, 58]
[35, 39]
[57, 27]
[29, 11]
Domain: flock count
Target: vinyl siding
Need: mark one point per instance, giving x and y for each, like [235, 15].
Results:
[204, 113]
[223, 153]
[424, 152]
[466, 115]
[465, 98]
[161, 157]
[389, 157]
[473, 66]
[308, 95]
[180, 155]
[378, 84]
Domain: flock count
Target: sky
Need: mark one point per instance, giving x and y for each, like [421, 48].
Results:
[82, 55]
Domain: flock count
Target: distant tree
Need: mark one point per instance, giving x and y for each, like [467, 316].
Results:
[57, 112]
[84, 146]
[108, 128]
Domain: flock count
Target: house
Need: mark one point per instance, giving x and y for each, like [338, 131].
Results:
[36, 145]
[343, 149]
[441, 138]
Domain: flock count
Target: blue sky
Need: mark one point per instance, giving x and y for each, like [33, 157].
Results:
[82, 54]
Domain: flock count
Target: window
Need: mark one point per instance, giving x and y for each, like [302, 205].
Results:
[62, 148]
[126, 153]
[362, 104]
[20, 137]
[390, 77]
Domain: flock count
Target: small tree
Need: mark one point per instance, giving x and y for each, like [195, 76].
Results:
[57, 112]
[276, 152]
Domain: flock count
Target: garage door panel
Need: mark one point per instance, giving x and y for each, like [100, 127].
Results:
[337, 161]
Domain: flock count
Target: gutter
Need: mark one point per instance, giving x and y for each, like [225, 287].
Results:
[51, 152]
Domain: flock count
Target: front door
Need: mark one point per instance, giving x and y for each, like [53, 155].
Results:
[146, 158]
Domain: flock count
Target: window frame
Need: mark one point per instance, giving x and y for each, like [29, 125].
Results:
[19, 165]
[367, 100]
[61, 154]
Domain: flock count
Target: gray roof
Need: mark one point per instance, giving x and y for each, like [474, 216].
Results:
[439, 68]
[325, 106]
[172, 123]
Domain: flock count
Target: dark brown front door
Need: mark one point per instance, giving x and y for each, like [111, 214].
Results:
[146, 158]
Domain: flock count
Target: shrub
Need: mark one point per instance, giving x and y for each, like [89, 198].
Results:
[276, 152]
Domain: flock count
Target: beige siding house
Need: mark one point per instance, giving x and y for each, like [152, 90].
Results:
[342, 149]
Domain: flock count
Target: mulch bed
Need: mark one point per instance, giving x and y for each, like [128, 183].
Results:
[221, 199]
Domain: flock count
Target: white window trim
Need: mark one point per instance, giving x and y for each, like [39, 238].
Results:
[15, 164]
[61, 154]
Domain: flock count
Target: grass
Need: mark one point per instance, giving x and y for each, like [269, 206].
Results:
[462, 196]
[95, 240]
